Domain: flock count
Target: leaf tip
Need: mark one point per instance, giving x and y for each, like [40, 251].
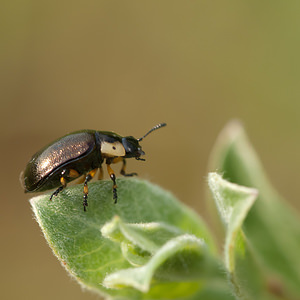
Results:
[111, 230]
[233, 129]
[136, 278]
[33, 201]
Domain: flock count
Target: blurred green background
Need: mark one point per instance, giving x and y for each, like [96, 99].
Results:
[125, 66]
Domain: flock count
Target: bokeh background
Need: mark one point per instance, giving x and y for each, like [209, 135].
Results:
[125, 66]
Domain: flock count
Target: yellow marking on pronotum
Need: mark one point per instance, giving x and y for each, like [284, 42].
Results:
[112, 149]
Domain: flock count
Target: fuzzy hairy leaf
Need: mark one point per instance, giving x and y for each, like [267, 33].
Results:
[148, 228]
[233, 203]
[271, 228]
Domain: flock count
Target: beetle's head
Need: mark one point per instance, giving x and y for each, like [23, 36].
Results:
[132, 145]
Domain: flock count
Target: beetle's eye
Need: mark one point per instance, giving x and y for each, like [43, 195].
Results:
[127, 145]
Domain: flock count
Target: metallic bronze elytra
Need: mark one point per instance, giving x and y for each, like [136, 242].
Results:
[81, 153]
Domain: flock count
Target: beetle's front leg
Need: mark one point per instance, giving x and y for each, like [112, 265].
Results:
[123, 170]
[113, 178]
[88, 177]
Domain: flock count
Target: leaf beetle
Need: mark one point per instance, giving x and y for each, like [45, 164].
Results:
[81, 153]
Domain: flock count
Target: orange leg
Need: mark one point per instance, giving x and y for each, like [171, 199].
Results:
[63, 185]
[73, 173]
[100, 175]
[88, 177]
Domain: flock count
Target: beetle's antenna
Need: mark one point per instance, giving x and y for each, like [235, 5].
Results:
[152, 129]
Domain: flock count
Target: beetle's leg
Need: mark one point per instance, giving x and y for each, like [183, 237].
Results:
[88, 177]
[113, 178]
[74, 174]
[63, 185]
[65, 173]
[100, 175]
[123, 170]
[81, 180]
[115, 160]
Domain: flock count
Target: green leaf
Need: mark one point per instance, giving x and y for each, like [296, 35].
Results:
[165, 252]
[271, 228]
[183, 246]
[233, 203]
[148, 228]
[139, 241]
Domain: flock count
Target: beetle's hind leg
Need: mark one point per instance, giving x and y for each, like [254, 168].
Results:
[63, 185]
[88, 177]
[65, 173]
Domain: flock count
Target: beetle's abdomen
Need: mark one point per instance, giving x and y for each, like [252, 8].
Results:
[66, 149]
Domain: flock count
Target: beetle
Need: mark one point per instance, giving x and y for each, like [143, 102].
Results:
[81, 153]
